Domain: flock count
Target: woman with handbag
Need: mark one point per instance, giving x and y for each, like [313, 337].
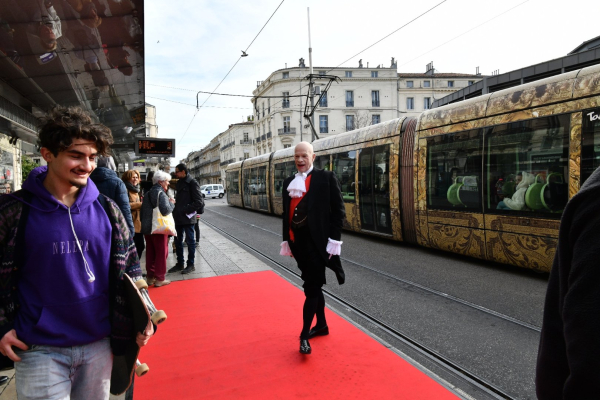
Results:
[156, 206]
[132, 182]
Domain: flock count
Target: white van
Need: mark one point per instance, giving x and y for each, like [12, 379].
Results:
[212, 191]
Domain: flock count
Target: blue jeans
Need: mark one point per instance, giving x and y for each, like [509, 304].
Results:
[189, 239]
[53, 373]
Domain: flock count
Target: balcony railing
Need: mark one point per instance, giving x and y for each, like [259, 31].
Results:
[375, 103]
[245, 141]
[349, 103]
[268, 135]
[227, 162]
[263, 137]
[286, 131]
[285, 104]
[258, 139]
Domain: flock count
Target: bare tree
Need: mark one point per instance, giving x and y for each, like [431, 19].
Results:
[361, 120]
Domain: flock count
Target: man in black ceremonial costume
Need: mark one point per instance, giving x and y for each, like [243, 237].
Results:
[568, 364]
[313, 212]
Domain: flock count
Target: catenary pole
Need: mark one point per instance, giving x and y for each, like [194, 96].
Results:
[310, 85]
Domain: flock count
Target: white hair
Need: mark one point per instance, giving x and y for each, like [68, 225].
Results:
[160, 176]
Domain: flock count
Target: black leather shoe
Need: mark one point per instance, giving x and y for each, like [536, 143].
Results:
[178, 267]
[318, 331]
[3, 379]
[305, 346]
[188, 269]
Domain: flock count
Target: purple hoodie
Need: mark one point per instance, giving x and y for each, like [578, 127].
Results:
[63, 285]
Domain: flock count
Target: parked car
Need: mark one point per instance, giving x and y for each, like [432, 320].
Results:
[212, 191]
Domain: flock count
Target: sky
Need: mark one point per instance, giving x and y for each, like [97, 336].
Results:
[191, 46]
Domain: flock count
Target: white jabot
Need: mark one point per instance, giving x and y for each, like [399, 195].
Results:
[297, 187]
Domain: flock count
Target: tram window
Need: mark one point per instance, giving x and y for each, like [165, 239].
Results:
[590, 142]
[233, 182]
[279, 177]
[322, 162]
[246, 175]
[454, 171]
[343, 167]
[527, 167]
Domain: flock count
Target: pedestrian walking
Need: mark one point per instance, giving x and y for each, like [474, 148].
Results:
[108, 183]
[313, 213]
[157, 245]
[568, 363]
[188, 203]
[131, 179]
[63, 309]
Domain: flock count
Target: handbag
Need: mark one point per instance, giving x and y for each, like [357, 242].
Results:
[162, 224]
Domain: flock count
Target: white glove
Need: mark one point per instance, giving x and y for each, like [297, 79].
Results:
[285, 249]
[334, 247]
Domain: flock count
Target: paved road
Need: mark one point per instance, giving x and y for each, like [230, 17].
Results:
[500, 351]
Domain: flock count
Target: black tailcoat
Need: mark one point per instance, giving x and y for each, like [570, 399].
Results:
[326, 214]
[568, 365]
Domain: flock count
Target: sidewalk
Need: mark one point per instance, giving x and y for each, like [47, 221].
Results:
[215, 256]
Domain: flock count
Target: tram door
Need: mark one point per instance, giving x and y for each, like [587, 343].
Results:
[374, 189]
[246, 176]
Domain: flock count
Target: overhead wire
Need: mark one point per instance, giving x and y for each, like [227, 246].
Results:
[238, 60]
[464, 33]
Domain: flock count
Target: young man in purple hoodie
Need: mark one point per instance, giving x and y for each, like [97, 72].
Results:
[63, 253]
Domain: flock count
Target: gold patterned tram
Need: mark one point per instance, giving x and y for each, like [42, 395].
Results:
[487, 177]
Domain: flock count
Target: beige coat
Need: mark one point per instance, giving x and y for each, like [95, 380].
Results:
[136, 205]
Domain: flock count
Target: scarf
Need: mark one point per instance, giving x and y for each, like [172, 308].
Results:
[297, 187]
[132, 188]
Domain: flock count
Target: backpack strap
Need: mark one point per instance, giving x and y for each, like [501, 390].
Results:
[104, 203]
[20, 246]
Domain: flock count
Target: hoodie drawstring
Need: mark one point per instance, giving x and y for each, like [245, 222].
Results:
[88, 270]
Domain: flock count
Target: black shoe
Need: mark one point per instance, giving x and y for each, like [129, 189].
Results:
[178, 267]
[189, 269]
[3, 379]
[305, 346]
[318, 332]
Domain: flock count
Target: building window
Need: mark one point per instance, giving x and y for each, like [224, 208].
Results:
[323, 124]
[323, 102]
[285, 146]
[286, 124]
[450, 83]
[471, 83]
[426, 83]
[245, 136]
[286, 75]
[286, 100]
[374, 74]
[410, 103]
[322, 73]
[269, 106]
[349, 98]
[348, 74]
[263, 109]
[375, 98]
[375, 119]
[409, 84]
[246, 155]
[427, 103]
[349, 122]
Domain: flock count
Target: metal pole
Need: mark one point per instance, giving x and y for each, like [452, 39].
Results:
[310, 85]
[301, 117]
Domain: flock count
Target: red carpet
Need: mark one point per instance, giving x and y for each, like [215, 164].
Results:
[236, 337]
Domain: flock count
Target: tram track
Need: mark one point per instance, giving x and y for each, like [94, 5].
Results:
[408, 282]
[425, 351]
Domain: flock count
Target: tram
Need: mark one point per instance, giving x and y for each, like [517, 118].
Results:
[487, 177]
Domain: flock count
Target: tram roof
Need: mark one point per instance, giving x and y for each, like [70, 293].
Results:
[97, 64]
[570, 85]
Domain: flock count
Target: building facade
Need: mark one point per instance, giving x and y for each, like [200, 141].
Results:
[417, 92]
[362, 96]
[235, 145]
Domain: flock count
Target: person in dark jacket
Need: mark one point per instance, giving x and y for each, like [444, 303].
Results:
[313, 213]
[568, 364]
[188, 203]
[108, 183]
